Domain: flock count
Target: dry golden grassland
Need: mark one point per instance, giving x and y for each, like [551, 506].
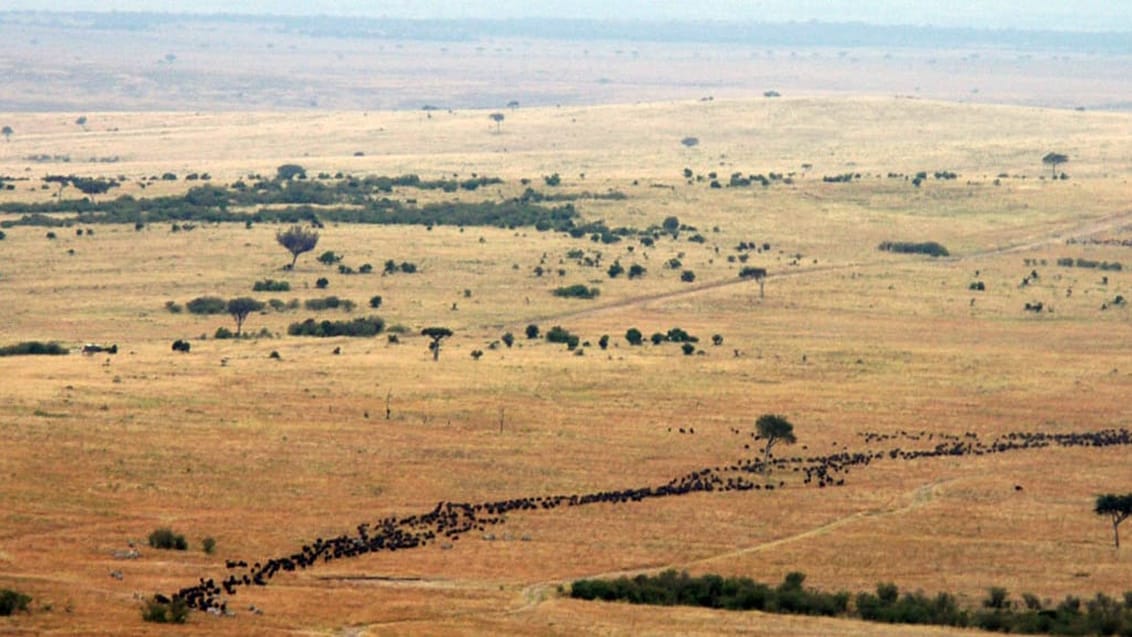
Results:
[264, 455]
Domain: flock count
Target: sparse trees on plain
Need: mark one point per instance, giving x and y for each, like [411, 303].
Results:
[297, 240]
[1118, 508]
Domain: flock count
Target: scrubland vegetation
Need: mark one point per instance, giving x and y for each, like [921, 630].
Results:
[559, 347]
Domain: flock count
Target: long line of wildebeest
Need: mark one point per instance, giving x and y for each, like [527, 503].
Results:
[449, 520]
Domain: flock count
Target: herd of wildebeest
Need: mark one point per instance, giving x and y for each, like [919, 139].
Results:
[448, 521]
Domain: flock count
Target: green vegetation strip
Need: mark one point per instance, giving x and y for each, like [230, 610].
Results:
[34, 348]
[1101, 615]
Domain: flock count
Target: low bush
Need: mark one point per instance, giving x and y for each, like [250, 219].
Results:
[34, 348]
[329, 303]
[207, 305]
[165, 538]
[175, 611]
[930, 248]
[271, 285]
[361, 327]
[13, 602]
[577, 291]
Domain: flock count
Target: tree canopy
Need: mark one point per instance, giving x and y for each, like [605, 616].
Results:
[297, 240]
[437, 334]
[1054, 160]
[240, 308]
[1118, 508]
[774, 429]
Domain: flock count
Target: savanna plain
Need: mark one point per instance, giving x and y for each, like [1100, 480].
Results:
[268, 442]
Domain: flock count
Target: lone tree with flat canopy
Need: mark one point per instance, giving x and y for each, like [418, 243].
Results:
[498, 119]
[1054, 160]
[240, 308]
[1118, 508]
[774, 429]
[7, 133]
[437, 334]
[297, 240]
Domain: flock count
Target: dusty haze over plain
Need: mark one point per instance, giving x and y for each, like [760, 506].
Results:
[1080, 15]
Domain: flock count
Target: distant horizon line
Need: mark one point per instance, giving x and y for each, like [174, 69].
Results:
[565, 20]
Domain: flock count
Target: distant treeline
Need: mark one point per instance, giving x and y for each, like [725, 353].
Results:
[756, 33]
[347, 200]
[1102, 615]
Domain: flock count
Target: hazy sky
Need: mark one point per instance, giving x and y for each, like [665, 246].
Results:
[1086, 15]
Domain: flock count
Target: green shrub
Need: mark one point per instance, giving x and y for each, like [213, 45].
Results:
[361, 327]
[12, 602]
[577, 291]
[930, 248]
[34, 348]
[329, 303]
[207, 305]
[208, 545]
[375, 301]
[558, 334]
[165, 538]
[634, 336]
[329, 258]
[224, 333]
[322, 283]
[175, 611]
[174, 307]
[271, 285]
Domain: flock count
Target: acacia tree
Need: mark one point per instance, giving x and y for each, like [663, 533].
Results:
[1054, 160]
[774, 429]
[7, 133]
[297, 240]
[1118, 508]
[498, 119]
[240, 308]
[437, 334]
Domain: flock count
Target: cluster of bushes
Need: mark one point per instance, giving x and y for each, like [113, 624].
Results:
[712, 591]
[1102, 615]
[329, 303]
[1108, 266]
[207, 305]
[271, 285]
[165, 538]
[12, 602]
[559, 334]
[210, 204]
[930, 248]
[392, 267]
[34, 348]
[175, 611]
[635, 270]
[367, 326]
[841, 179]
[577, 291]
